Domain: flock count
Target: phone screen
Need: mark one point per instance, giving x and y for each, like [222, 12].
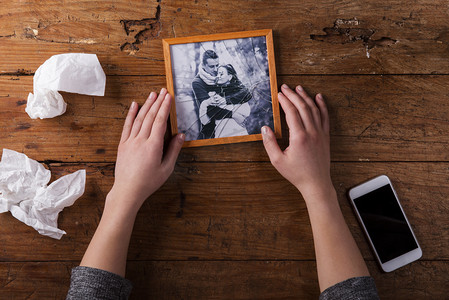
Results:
[386, 225]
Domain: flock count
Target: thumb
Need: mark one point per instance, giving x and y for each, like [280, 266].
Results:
[173, 151]
[270, 144]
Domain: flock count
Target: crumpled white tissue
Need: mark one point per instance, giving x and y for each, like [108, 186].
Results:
[24, 192]
[70, 72]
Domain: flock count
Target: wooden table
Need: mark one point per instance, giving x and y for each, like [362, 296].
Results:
[226, 224]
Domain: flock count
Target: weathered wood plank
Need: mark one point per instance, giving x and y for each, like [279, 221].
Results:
[15, 11]
[326, 37]
[373, 118]
[226, 224]
[222, 280]
[35, 280]
[105, 28]
[225, 280]
[373, 37]
[229, 211]
[274, 280]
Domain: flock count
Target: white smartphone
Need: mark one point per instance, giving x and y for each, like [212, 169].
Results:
[385, 224]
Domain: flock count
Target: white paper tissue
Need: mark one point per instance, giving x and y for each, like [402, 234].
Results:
[24, 192]
[70, 72]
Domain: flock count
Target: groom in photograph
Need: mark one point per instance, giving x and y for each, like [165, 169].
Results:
[204, 85]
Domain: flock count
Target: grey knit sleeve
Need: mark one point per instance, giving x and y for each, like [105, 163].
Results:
[360, 288]
[90, 283]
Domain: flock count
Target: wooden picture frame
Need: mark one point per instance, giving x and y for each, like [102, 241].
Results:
[224, 87]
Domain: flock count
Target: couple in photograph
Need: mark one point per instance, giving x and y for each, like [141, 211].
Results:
[221, 98]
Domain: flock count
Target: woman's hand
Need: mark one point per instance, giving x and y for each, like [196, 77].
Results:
[219, 101]
[306, 164]
[141, 167]
[140, 170]
[306, 161]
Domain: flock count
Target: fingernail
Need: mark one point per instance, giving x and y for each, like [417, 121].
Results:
[320, 96]
[299, 88]
[133, 104]
[181, 137]
[163, 90]
[284, 86]
[264, 130]
[152, 95]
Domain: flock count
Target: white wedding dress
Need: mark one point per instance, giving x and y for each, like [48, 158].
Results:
[229, 127]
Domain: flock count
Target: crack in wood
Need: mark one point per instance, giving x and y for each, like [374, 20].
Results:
[344, 35]
[364, 130]
[23, 126]
[412, 16]
[147, 29]
[31, 33]
[182, 198]
[49, 162]
[9, 277]
[8, 36]
[19, 72]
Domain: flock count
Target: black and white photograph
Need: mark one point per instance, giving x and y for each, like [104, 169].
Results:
[222, 87]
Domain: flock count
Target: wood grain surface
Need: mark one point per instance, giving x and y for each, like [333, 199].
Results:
[221, 279]
[226, 225]
[324, 37]
[373, 118]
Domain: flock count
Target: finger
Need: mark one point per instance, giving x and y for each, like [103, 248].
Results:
[292, 116]
[301, 105]
[324, 113]
[142, 113]
[271, 145]
[172, 152]
[159, 125]
[148, 122]
[132, 112]
[312, 105]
